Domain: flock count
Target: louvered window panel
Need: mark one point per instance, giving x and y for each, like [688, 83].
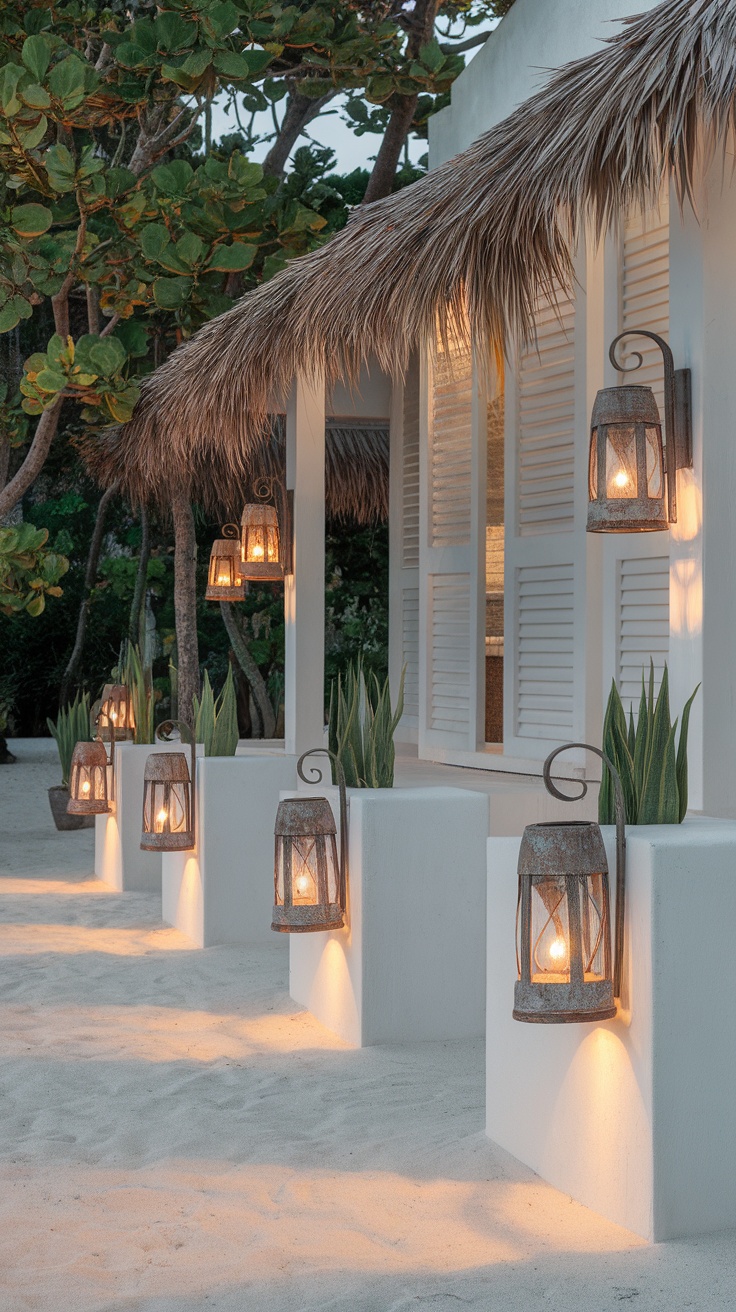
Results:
[450, 454]
[544, 650]
[643, 595]
[410, 475]
[546, 424]
[449, 684]
[645, 292]
[410, 651]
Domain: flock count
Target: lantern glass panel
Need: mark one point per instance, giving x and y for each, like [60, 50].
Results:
[116, 711]
[655, 462]
[166, 807]
[223, 571]
[621, 478]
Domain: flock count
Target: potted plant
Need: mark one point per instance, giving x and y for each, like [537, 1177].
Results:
[362, 727]
[70, 728]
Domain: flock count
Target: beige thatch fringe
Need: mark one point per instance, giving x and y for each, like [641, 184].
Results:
[356, 471]
[486, 233]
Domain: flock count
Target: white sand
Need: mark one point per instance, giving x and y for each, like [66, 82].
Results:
[176, 1135]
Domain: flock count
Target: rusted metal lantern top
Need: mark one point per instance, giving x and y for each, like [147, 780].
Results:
[116, 713]
[88, 793]
[168, 801]
[564, 960]
[309, 875]
[224, 578]
[626, 473]
[260, 544]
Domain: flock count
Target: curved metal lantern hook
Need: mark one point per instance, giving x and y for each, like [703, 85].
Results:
[620, 807]
[111, 762]
[316, 778]
[230, 531]
[677, 423]
[163, 735]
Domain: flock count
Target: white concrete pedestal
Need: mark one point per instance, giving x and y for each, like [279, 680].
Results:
[222, 892]
[119, 860]
[410, 963]
[633, 1117]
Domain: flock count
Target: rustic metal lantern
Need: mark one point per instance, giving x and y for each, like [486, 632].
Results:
[88, 780]
[116, 719]
[631, 471]
[260, 544]
[309, 877]
[224, 580]
[168, 796]
[563, 916]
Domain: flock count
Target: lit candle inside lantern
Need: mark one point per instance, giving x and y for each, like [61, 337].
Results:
[85, 787]
[258, 552]
[558, 949]
[162, 817]
[621, 479]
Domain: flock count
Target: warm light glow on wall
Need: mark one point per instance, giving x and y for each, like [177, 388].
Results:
[686, 597]
[689, 508]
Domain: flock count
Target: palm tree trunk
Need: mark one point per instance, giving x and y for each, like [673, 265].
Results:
[250, 670]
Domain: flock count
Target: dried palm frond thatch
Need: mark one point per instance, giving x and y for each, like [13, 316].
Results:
[356, 471]
[482, 236]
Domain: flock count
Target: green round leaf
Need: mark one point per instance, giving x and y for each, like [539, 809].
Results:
[36, 56]
[31, 220]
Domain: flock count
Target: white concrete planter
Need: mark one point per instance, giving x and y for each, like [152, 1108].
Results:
[633, 1117]
[222, 892]
[410, 962]
[119, 860]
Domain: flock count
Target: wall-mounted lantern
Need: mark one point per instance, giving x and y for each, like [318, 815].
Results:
[260, 544]
[116, 717]
[169, 795]
[224, 579]
[563, 921]
[632, 473]
[310, 878]
[88, 780]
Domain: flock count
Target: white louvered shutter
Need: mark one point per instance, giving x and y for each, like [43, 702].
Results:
[404, 553]
[451, 611]
[636, 565]
[545, 547]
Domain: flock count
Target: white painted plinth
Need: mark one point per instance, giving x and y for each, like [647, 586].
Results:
[410, 963]
[633, 1117]
[222, 892]
[119, 860]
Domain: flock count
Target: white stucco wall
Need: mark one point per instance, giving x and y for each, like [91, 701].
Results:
[537, 35]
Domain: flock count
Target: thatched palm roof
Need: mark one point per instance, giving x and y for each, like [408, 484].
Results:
[484, 234]
[356, 470]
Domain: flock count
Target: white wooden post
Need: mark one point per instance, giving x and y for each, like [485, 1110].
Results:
[304, 592]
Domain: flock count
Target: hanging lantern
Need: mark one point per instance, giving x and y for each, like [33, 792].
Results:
[116, 713]
[88, 780]
[224, 580]
[632, 474]
[260, 544]
[309, 877]
[563, 921]
[168, 797]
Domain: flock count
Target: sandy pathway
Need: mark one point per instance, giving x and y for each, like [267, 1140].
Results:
[175, 1135]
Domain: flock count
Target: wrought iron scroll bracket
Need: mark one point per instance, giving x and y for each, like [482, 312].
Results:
[315, 777]
[230, 531]
[677, 409]
[620, 809]
[163, 735]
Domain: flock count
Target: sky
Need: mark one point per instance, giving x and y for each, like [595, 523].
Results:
[329, 129]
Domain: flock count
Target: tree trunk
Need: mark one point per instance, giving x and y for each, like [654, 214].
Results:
[139, 591]
[34, 461]
[90, 577]
[387, 160]
[300, 110]
[185, 604]
[250, 669]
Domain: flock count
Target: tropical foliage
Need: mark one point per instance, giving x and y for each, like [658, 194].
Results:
[71, 726]
[652, 768]
[362, 727]
[216, 721]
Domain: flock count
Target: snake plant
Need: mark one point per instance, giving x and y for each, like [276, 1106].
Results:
[653, 770]
[362, 727]
[216, 721]
[71, 727]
